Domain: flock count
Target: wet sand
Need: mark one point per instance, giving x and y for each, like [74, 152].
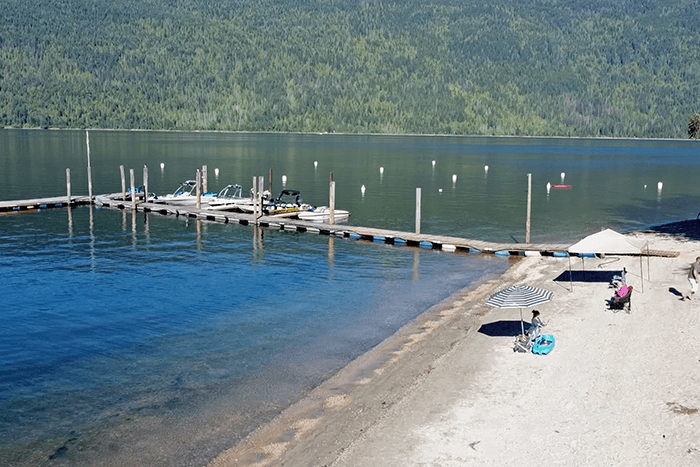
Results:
[448, 390]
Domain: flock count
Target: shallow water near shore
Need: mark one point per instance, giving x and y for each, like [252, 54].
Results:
[108, 329]
[165, 340]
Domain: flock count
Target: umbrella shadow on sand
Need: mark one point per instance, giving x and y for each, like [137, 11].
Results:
[501, 329]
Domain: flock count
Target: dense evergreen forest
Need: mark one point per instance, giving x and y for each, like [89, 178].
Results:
[613, 68]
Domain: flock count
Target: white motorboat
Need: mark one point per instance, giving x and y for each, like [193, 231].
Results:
[323, 214]
[186, 195]
[230, 198]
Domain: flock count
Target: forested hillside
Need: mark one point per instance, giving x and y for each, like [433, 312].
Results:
[619, 68]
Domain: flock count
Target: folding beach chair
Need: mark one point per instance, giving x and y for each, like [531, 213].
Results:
[622, 300]
[524, 343]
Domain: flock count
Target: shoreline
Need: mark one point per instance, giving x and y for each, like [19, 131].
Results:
[384, 375]
[440, 392]
[439, 135]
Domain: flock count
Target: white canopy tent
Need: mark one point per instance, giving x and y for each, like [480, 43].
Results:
[608, 242]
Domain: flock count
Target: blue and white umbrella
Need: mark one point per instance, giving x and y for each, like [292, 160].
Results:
[520, 296]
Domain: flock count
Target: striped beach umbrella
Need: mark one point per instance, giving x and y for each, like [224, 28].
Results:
[520, 296]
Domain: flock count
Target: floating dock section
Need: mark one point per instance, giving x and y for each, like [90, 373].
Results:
[42, 203]
[391, 237]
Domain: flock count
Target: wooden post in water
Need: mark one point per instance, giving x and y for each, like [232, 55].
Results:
[331, 200]
[255, 199]
[68, 185]
[261, 190]
[529, 207]
[89, 167]
[70, 212]
[145, 183]
[418, 207]
[198, 179]
[205, 179]
[121, 169]
[133, 190]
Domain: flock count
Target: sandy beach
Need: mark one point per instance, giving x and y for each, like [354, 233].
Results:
[448, 389]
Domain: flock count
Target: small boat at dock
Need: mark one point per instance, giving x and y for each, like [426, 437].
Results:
[287, 204]
[323, 214]
[231, 198]
[186, 195]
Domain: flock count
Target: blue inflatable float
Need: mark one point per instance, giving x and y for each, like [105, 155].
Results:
[543, 345]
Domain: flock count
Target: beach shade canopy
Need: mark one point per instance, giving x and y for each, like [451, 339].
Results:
[608, 242]
[520, 296]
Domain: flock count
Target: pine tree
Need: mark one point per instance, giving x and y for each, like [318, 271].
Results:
[694, 127]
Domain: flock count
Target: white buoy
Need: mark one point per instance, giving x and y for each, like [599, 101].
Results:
[660, 186]
[362, 189]
[562, 177]
[216, 171]
[549, 187]
[381, 170]
[315, 164]
[162, 165]
[454, 178]
[284, 180]
[486, 168]
[440, 190]
[645, 187]
[433, 164]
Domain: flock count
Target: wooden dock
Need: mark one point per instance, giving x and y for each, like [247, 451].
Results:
[42, 203]
[436, 242]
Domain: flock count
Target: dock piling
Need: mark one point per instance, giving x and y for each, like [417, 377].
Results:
[261, 189]
[331, 200]
[145, 183]
[255, 199]
[418, 209]
[89, 167]
[121, 170]
[133, 190]
[199, 189]
[68, 187]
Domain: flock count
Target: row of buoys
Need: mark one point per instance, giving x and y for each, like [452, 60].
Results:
[659, 185]
[216, 170]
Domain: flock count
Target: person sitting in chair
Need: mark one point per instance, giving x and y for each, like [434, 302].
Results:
[622, 299]
[536, 325]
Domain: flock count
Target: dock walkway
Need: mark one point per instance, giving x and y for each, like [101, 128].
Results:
[437, 242]
[42, 203]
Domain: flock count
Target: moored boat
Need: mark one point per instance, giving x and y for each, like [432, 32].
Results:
[186, 195]
[323, 214]
[287, 204]
[231, 198]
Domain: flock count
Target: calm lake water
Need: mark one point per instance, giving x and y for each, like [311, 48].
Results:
[165, 340]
